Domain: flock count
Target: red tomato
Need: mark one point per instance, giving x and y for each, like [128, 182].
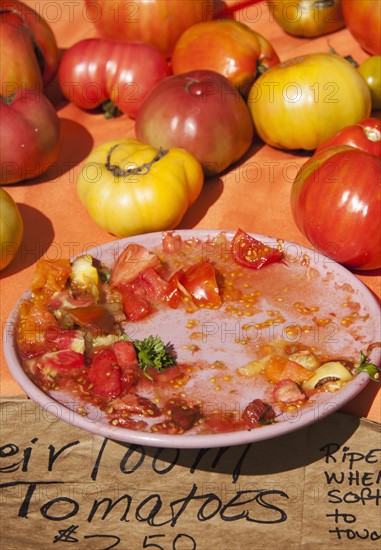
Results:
[252, 253]
[336, 204]
[30, 135]
[202, 112]
[365, 135]
[29, 47]
[226, 47]
[156, 22]
[363, 19]
[94, 70]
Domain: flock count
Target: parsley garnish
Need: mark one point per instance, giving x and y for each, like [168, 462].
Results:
[372, 370]
[152, 352]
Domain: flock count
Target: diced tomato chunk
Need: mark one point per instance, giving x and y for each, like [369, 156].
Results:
[49, 276]
[153, 285]
[94, 318]
[105, 374]
[288, 391]
[258, 412]
[279, 368]
[250, 252]
[197, 283]
[182, 414]
[132, 261]
[171, 243]
[127, 360]
[135, 307]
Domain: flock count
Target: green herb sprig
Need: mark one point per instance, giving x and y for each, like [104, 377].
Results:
[153, 353]
[372, 370]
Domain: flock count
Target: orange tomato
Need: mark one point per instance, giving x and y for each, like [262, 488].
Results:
[280, 368]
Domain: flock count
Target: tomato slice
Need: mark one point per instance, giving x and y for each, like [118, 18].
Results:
[250, 252]
[197, 284]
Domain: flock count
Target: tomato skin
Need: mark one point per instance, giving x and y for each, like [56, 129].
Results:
[304, 101]
[22, 31]
[195, 285]
[307, 18]
[227, 47]
[156, 22]
[365, 135]
[336, 204]
[11, 228]
[250, 252]
[363, 19]
[94, 70]
[370, 70]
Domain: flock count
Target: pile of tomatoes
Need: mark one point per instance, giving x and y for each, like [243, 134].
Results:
[193, 77]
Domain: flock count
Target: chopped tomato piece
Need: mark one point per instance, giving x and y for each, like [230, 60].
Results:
[34, 322]
[197, 283]
[55, 364]
[182, 414]
[49, 277]
[250, 252]
[171, 243]
[152, 284]
[279, 367]
[105, 374]
[94, 318]
[135, 306]
[127, 360]
[131, 262]
[132, 404]
[288, 391]
[64, 360]
[258, 412]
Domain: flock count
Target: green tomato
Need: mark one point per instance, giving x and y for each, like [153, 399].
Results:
[11, 228]
[370, 69]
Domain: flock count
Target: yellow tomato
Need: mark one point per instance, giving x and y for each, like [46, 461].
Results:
[370, 69]
[130, 188]
[307, 17]
[303, 102]
[11, 228]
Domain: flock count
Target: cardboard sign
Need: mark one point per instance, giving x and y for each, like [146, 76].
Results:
[62, 487]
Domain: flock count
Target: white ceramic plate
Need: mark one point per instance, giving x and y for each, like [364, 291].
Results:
[337, 292]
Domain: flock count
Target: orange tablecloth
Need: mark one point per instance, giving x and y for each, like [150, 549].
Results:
[253, 196]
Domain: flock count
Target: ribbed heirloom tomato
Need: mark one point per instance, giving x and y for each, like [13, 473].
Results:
[336, 203]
